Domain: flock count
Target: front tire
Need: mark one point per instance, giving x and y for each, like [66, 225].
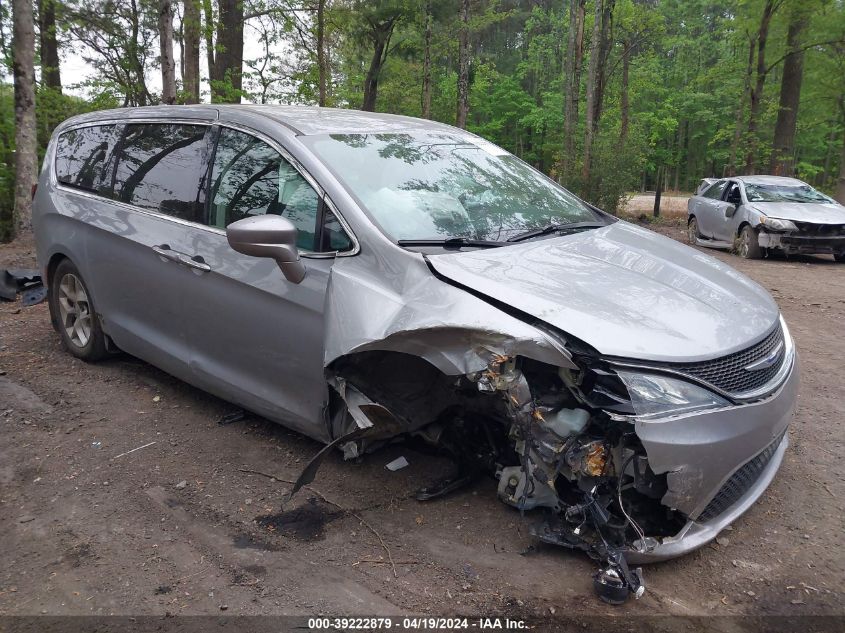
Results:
[749, 247]
[840, 258]
[692, 231]
[73, 313]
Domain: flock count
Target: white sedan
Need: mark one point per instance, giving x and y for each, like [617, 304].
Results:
[757, 214]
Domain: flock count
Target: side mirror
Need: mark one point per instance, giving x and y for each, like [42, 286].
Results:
[268, 236]
[730, 210]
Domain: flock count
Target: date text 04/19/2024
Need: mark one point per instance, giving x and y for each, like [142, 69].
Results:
[416, 623]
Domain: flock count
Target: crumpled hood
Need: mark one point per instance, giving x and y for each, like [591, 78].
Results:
[624, 290]
[822, 213]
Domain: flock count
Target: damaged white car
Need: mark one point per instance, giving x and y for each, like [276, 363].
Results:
[757, 215]
[361, 277]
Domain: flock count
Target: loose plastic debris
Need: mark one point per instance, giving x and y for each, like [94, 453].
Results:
[397, 464]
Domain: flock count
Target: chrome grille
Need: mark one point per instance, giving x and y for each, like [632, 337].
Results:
[728, 373]
[740, 482]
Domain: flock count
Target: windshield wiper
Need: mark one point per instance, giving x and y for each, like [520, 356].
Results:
[452, 242]
[556, 228]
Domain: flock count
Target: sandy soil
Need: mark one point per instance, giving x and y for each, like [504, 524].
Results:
[181, 527]
[671, 205]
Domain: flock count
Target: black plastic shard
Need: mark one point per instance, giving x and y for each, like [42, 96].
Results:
[15, 280]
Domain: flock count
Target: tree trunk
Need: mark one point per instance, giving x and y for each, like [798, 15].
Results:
[757, 93]
[380, 35]
[623, 101]
[572, 81]
[168, 65]
[604, 52]
[840, 185]
[23, 69]
[138, 94]
[740, 113]
[822, 178]
[321, 51]
[592, 84]
[49, 45]
[229, 53]
[463, 67]
[208, 29]
[426, 91]
[371, 80]
[783, 148]
[191, 27]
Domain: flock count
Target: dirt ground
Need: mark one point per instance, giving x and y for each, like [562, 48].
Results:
[182, 526]
[672, 205]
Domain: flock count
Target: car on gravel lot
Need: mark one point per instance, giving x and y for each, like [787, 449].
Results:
[757, 214]
[360, 277]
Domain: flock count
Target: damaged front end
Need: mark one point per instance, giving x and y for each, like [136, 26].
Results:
[556, 438]
[626, 461]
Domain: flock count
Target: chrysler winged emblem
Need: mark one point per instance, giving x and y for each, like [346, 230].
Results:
[767, 361]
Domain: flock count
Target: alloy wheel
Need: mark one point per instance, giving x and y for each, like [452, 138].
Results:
[743, 244]
[692, 231]
[75, 310]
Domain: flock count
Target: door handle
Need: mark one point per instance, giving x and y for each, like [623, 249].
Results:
[164, 251]
[196, 262]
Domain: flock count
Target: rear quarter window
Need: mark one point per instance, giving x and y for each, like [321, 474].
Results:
[81, 156]
[715, 190]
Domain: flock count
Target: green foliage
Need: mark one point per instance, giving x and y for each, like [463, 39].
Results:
[51, 108]
[687, 85]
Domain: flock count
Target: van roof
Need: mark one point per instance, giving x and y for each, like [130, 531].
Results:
[303, 120]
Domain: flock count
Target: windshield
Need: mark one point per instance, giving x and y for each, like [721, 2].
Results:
[439, 185]
[784, 193]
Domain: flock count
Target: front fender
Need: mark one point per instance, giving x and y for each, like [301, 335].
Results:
[413, 312]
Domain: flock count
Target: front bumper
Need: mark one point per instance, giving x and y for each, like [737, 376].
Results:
[705, 455]
[796, 243]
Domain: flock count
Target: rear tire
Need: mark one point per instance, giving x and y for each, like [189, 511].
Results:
[840, 258]
[73, 312]
[748, 246]
[692, 231]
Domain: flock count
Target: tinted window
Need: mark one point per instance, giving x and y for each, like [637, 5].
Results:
[81, 156]
[251, 178]
[159, 168]
[334, 238]
[715, 190]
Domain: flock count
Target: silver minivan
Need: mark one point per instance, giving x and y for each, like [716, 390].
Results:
[360, 277]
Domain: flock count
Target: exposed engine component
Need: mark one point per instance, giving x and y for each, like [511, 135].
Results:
[531, 425]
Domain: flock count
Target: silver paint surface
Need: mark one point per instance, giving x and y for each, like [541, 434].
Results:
[244, 333]
[624, 290]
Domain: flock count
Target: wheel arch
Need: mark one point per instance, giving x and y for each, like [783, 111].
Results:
[741, 226]
[53, 263]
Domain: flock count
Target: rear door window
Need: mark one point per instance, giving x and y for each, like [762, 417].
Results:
[160, 167]
[715, 190]
[81, 156]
